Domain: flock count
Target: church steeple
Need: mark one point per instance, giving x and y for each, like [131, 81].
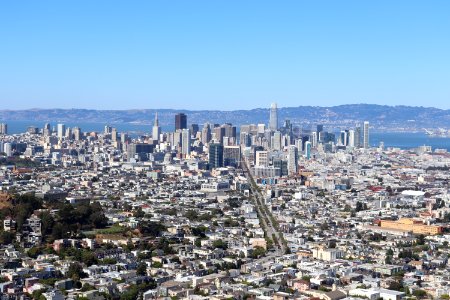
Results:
[156, 129]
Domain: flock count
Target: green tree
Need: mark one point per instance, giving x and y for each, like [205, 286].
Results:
[421, 239]
[141, 269]
[388, 260]
[258, 252]
[220, 244]
[306, 278]
[76, 272]
[34, 252]
[419, 293]
[151, 228]
[6, 237]
[47, 222]
[88, 257]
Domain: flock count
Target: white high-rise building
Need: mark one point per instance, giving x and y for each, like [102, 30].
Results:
[77, 133]
[156, 131]
[8, 149]
[68, 133]
[299, 144]
[343, 138]
[186, 141]
[273, 121]
[292, 159]
[3, 128]
[107, 129]
[47, 130]
[206, 134]
[308, 150]
[314, 139]
[366, 135]
[276, 141]
[261, 128]
[61, 130]
[262, 158]
[351, 138]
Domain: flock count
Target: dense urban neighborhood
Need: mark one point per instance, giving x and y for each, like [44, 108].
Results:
[262, 211]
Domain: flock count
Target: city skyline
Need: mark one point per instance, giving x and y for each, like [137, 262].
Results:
[224, 56]
[208, 150]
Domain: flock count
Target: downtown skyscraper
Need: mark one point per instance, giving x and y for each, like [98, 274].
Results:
[180, 121]
[366, 135]
[156, 130]
[273, 120]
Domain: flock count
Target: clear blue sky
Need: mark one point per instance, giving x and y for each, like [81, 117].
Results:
[223, 54]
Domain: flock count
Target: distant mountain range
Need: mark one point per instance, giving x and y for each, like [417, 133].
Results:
[381, 117]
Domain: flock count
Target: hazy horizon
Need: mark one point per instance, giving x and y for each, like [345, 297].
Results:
[215, 109]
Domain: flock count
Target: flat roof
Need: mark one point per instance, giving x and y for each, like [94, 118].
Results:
[413, 193]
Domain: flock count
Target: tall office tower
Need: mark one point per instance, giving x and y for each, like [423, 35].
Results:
[180, 121]
[61, 129]
[230, 130]
[351, 138]
[194, 129]
[261, 128]
[231, 156]
[276, 141]
[308, 150]
[226, 141]
[366, 134]
[156, 130]
[47, 130]
[245, 128]
[107, 129]
[68, 133]
[319, 129]
[299, 144]
[77, 133]
[114, 134]
[314, 139]
[123, 137]
[358, 136]
[7, 148]
[292, 159]
[219, 133]
[287, 125]
[321, 137]
[273, 121]
[285, 141]
[288, 130]
[262, 158]
[186, 142]
[343, 138]
[3, 128]
[177, 139]
[245, 139]
[206, 134]
[215, 155]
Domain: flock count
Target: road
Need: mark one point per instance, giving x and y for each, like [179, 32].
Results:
[265, 215]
